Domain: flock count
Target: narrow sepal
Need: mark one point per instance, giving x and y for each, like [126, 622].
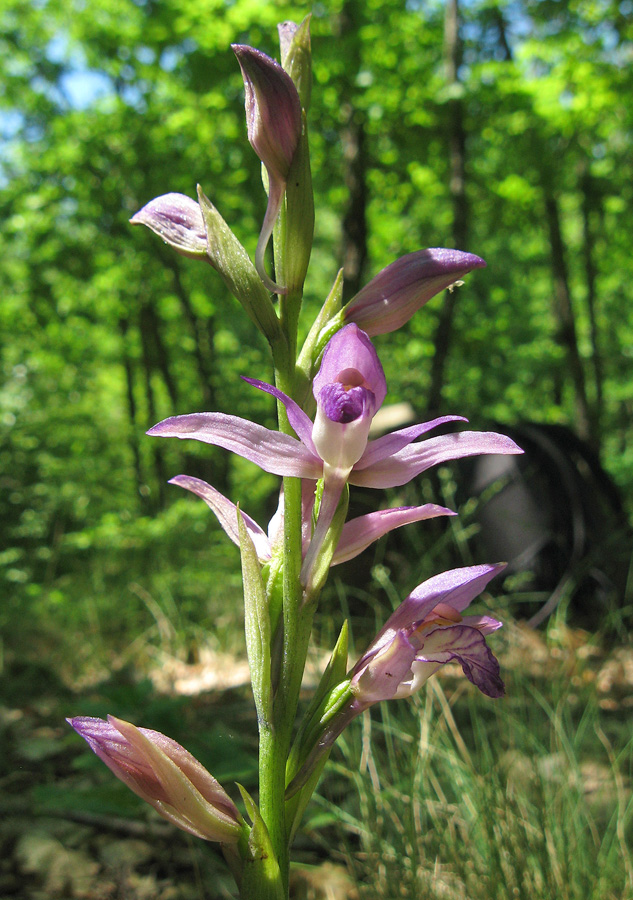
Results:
[226, 512]
[362, 531]
[411, 461]
[274, 452]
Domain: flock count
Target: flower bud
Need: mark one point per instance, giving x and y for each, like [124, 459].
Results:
[402, 288]
[274, 124]
[273, 110]
[178, 220]
[165, 775]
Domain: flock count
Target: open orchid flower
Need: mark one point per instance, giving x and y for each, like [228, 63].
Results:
[349, 388]
[425, 632]
[356, 536]
[273, 119]
[165, 775]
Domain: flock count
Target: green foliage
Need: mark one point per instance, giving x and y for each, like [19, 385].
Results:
[449, 797]
[103, 330]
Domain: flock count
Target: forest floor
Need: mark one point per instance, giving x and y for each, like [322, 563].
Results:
[68, 829]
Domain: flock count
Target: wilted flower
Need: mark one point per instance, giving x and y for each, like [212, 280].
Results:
[398, 291]
[273, 121]
[349, 388]
[423, 634]
[164, 774]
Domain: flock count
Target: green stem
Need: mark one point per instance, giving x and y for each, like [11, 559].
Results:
[276, 736]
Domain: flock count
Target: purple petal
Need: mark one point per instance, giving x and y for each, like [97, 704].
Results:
[457, 588]
[226, 513]
[178, 220]
[272, 451]
[414, 459]
[468, 647]
[379, 677]
[395, 294]
[389, 444]
[299, 421]
[359, 533]
[349, 352]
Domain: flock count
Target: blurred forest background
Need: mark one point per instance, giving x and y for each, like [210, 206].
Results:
[501, 128]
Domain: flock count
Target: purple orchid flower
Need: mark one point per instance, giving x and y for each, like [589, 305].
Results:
[165, 775]
[349, 388]
[425, 632]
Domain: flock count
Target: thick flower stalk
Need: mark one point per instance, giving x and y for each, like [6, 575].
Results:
[165, 775]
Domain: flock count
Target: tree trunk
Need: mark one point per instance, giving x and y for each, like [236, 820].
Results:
[202, 350]
[148, 370]
[131, 406]
[457, 189]
[156, 351]
[563, 310]
[216, 465]
[589, 202]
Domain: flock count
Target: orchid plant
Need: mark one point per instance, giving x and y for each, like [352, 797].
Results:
[327, 394]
